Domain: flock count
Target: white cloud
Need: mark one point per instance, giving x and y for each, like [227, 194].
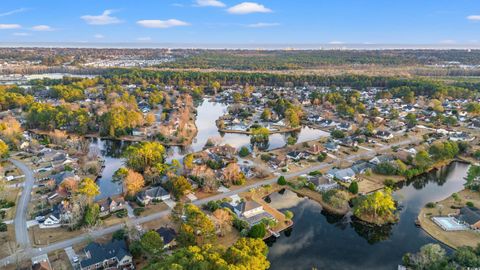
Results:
[21, 34]
[248, 7]
[336, 42]
[11, 12]
[209, 3]
[262, 25]
[103, 19]
[42, 27]
[475, 18]
[161, 24]
[144, 39]
[448, 41]
[10, 26]
[98, 36]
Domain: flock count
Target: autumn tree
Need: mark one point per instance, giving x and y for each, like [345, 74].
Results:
[141, 156]
[133, 183]
[224, 220]
[379, 204]
[179, 186]
[3, 149]
[89, 188]
[188, 161]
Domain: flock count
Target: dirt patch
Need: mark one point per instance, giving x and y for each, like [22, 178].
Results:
[8, 244]
[42, 237]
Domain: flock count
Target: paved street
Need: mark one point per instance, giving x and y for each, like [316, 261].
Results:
[20, 221]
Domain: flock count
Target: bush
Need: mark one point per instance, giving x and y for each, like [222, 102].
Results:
[257, 231]
[121, 213]
[3, 227]
[240, 225]
[282, 181]
[266, 157]
[322, 156]
[470, 204]
[386, 168]
[337, 134]
[353, 188]
[288, 215]
[315, 173]
[138, 211]
[291, 140]
[244, 152]
[389, 182]
[430, 205]
[119, 235]
[212, 206]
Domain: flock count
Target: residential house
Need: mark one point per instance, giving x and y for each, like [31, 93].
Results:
[461, 137]
[345, 175]
[168, 236]
[332, 147]
[322, 183]
[295, 155]
[384, 135]
[380, 159]
[109, 205]
[154, 193]
[250, 211]
[113, 255]
[471, 216]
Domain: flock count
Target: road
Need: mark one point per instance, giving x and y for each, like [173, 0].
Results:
[29, 252]
[20, 221]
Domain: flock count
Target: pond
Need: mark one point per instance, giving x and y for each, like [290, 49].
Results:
[324, 241]
[110, 151]
[209, 111]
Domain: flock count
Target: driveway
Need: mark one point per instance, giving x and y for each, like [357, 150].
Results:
[20, 221]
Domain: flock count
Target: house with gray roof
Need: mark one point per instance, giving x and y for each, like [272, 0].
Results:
[113, 255]
[154, 193]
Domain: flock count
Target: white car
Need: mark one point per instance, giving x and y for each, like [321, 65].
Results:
[75, 259]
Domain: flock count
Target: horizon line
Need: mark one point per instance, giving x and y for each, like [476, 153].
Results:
[241, 46]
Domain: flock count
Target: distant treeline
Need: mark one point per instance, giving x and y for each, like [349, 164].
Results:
[310, 59]
[419, 86]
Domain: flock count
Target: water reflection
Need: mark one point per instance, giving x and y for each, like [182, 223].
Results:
[325, 241]
[110, 151]
[208, 112]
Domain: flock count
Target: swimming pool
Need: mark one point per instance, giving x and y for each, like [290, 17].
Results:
[450, 224]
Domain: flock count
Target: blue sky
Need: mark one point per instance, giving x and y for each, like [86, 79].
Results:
[234, 21]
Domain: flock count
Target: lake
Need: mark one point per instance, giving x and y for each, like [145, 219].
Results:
[324, 241]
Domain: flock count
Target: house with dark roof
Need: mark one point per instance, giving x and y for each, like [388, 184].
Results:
[154, 193]
[168, 236]
[113, 255]
[471, 216]
[384, 135]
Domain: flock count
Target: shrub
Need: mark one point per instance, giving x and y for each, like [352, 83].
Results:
[389, 182]
[266, 157]
[121, 213]
[353, 188]
[322, 156]
[240, 224]
[244, 152]
[470, 204]
[337, 134]
[291, 140]
[3, 227]
[282, 181]
[119, 235]
[138, 211]
[288, 215]
[257, 231]
[430, 205]
[386, 168]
